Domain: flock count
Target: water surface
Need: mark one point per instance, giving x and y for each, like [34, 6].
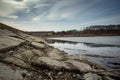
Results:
[102, 50]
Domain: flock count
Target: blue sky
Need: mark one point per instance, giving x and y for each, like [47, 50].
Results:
[57, 15]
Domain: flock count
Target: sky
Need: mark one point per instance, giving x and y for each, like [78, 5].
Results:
[58, 15]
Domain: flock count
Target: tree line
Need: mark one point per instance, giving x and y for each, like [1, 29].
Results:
[102, 29]
[95, 30]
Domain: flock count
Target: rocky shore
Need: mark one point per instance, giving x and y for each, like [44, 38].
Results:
[25, 57]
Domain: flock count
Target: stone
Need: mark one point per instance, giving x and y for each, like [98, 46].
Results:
[27, 55]
[23, 52]
[60, 73]
[17, 61]
[37, 52]
[79, 65]
[38, 45]
[7, 73]
[56, 54]
[30, 38]
[7, 32]
[51, 62]
[91, 76]
[74, 75]
[9, 42]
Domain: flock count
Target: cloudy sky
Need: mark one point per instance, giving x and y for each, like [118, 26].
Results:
[57, 15]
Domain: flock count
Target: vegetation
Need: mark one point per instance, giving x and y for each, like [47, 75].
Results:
[98, 30]
[93, 30]
[102, 29]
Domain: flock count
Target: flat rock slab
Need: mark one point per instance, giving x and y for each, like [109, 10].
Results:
[17, 61]
[68, 64]
[80, 65]
[38, 53]
[7, 73]
[8, 42]
[51, 62]
[6, 32]
[31, 38]
[56, 54]
[38, 45]
[30, 55]
[27, 55]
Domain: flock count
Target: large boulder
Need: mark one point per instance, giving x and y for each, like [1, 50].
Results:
[38, 45]
[79, 65]
[27, 55]
[9, 42]
[17, 61]
[30, 55]
[38, 52]
[56, 54]
[6, 32]
[30, 37]
[7, 73]
[51, 62]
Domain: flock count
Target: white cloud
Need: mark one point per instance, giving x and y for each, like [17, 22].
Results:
[12, 16]
[69, 9]
[61, 13]
[52, 16]
[8, 7]
[36, 19]
[41, 5]
[28, 10]
[55, 12]
[32, 3]
[63, 9]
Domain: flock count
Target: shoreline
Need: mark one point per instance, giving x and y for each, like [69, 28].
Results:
[65, 39]
[36, 60]
[95, 69]
[54, 36]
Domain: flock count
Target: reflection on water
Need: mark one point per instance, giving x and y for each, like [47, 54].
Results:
[53, 41]
[106, 55]
[109, 40]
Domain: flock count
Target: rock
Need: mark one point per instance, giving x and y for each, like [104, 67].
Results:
[17, 61]
[56, 54]
[108, 78]
[11, 52]
[91, 76]
[38, 45]
[79, 65]
[23, 52]
[38, 52]
[74, 75]
[7, 73]
[76, 57]
[60, 73]
[7, 32]
[17, 56]
[27, 55]
[9, 42]
[51, 62]
[31, 38]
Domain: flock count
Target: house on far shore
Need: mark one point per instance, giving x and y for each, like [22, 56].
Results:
[41, 33]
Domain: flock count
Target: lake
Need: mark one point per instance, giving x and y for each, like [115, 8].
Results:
[101, 50]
